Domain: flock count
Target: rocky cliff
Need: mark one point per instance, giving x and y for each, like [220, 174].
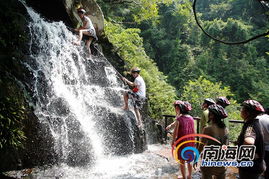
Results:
[33, 143]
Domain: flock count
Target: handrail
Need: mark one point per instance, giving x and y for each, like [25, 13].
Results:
[198, 118]
[173, 116]
[166, 116]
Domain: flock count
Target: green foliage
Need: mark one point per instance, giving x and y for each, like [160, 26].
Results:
[231, 30]
[196, 91]
[234, 114]
[136, 10]
[11, 114]
[129, 45]
[147, 10]
[183, 53]
[262, 94]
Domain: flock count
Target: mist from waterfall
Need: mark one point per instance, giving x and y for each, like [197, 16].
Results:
[78, 103]
[70, 94]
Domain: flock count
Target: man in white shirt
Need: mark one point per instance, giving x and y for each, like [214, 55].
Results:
[264, 122]
[86, 29]
[138, 93]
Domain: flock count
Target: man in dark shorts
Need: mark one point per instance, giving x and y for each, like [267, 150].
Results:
[138, 94]
[86, 29]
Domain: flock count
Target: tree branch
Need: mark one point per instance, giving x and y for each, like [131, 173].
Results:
[120, 1]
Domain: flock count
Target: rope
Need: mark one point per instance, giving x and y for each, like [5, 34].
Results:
[218, 40]
[118, 74]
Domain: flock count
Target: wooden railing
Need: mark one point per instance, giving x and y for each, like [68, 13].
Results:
[197, 119]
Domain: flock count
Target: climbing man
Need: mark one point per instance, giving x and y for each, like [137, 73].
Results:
[138, 93]
[86, 29]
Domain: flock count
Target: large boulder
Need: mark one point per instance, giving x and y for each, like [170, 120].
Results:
[66, 11]
[92, 10]
[15, 95]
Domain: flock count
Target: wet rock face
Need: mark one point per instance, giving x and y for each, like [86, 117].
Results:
[92, 10]
[79, 150]
[53, 10]
[152, 134]
[13, 86]
[66, 11]
[120, 134]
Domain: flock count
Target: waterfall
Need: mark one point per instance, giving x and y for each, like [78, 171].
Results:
[78, 129]
[78, 98]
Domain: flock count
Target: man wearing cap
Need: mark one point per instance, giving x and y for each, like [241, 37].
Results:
[86, 29]
[138, 93]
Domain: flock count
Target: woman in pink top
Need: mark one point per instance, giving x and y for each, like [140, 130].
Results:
[184, 126]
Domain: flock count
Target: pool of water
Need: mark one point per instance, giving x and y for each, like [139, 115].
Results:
[156, 162]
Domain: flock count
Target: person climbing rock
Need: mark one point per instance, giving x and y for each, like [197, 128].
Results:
[138, 93]
[86, 29]
[184, 125]
[251, 134]
[218, 130]
[224, 102]
[204, 118]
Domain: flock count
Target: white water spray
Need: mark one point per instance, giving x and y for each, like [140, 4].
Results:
[68, 84]
[72, 95]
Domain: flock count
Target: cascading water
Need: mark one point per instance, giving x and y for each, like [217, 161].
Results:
[73, 94]
[78, 100]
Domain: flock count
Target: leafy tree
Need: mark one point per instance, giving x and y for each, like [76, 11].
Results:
[197, 90]
[182, 52]
[184, 56]
[130, 47]
[135, 10]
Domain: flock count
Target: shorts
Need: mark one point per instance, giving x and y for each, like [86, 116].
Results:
[92, 33]
[138, 101]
